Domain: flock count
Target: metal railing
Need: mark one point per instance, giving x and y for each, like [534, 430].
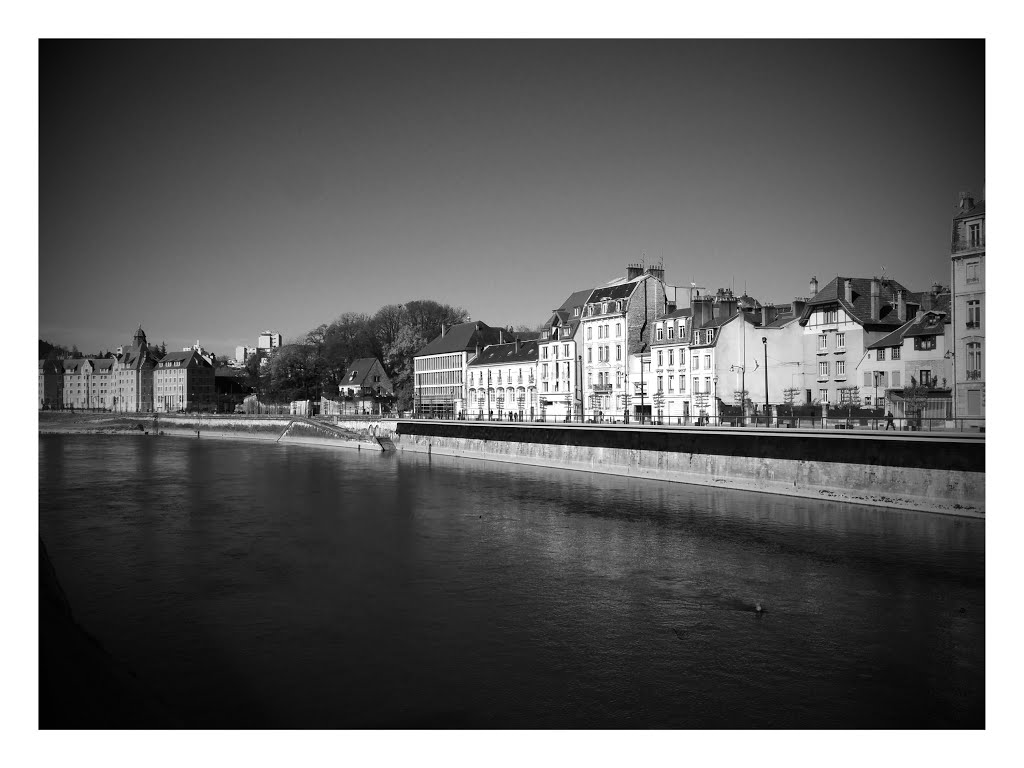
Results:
[854, 423]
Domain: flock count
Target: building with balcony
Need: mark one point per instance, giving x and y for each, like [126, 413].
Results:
[502, 380]
[967, 254]
[668, 366]
[913, 361]
[616, 326]
[560, 361]
[841, 322]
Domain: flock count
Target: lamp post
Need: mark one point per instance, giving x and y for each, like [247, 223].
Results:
[715, 380]
[764, 340]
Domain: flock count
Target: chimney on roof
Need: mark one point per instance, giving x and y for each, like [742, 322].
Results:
[764, 315]
[442, 330]
[901, 306]
[966, 201]
[936, 289]
[813, 285]
[517, 344]
[501, 335]
[798, 306]
[849, 290]
[657, 272]
[634, 270]
[876, 298]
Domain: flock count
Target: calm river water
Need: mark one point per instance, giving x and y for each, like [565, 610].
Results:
[265, 585]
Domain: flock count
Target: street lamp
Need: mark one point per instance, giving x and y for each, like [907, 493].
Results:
[764, 340]
[715, 380]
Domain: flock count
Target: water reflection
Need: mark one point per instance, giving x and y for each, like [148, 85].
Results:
[291, 586]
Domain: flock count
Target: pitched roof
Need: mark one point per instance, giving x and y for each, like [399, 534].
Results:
[462, 338]
[500, 354]
[686, 312]
[860, 307]
[611, 292]
[978, 209]
[184, 357]
[360, 369]
[577, 299]
[931, 323]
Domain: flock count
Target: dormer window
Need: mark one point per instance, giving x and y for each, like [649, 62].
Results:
[576, 311]
[671, 332]
[711, 336]
[659, 333]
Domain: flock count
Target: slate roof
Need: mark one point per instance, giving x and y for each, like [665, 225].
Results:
[500, 354]
[361, 368]
[977, 210]
[612, 292]
[687, 312]
[184, 357]
[577, 299]
[462, 338]
[860, 308]
[931, 324]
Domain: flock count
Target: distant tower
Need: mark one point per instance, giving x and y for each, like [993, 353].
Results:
[139, 340]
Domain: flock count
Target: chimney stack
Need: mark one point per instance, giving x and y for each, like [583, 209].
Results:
[517, 344]
[876, 298]
[501, 335]
[813, 285]
[442, 330]
[849, 291]
[798, 306]
[901, 306]
[764, 315]
[966, 201]
[634, 271]
[936, 288]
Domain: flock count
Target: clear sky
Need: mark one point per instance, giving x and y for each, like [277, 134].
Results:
[213, 189]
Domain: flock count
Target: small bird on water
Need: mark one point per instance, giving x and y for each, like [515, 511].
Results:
[758, 608]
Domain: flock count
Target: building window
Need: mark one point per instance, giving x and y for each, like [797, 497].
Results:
[618, 351]
[924, 343]
[590, 332]
[671, 332]
[671, 356]
[974, 234]
[707, 362]
[707, 383]
[840, 369]
[682, 384]
[830, 316]
[974, 360]
[822, 342]
[926, 379]
[565, 350]
[696, 384]
[895, 353]
[880, 354]
[659, 333]
[618, 330]
[711, 336]
[823, 395]
[823, 369]
[696, 362]
[660, 384]
[974, 314]
[840, 341]
[661, 359]
[590, 351]
[972, 271]
[670, 378]
[544, 352]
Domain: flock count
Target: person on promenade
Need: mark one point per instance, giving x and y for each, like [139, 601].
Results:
[888, 422]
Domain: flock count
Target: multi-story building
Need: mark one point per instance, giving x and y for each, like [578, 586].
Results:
[840, 323]
[560, 362]
[916, 353]
[183, 381]
[51, 384]
[616, 325]
[366, 387]
[242, 355]
[968, 296]
[668, 360]
[503, 380]
[440, 369]
[133, 376]
[268, 340]
[88, 383]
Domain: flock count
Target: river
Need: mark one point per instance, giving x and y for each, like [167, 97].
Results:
[269, 585]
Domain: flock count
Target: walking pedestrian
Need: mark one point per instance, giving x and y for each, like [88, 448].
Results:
[888, 422]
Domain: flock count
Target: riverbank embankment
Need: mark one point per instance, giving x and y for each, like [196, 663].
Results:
[927, 472]
[277, 429]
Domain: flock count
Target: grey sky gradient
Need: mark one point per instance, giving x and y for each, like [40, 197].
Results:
[213, 189]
